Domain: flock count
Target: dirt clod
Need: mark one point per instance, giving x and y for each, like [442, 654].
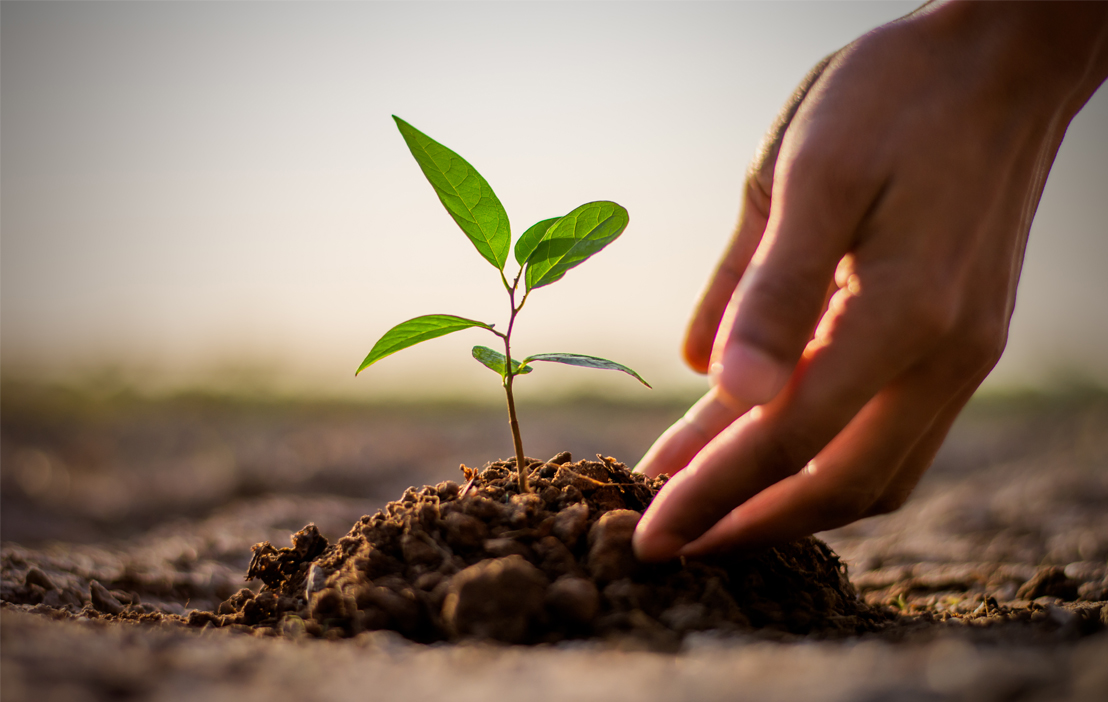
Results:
[1051, 581]
[495, 599]
[102, 599]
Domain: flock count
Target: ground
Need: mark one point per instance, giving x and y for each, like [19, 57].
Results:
[166, 497]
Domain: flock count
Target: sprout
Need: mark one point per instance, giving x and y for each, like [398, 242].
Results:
[545, 253]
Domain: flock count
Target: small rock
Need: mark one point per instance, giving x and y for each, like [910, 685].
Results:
[570, 523]
[555, 559]
[314, 582]
[523, 508]
[504, 547]
[34, 594]
[1084, 571]
[562, 458]
[495, 599]
[1051, 581]
[482, 508]
[464, 531]
[37, 577]
[329, 603]
[394, 604]
[574, 599]
[447, 489]
[610, 554]
[235, 602]
[103, 600]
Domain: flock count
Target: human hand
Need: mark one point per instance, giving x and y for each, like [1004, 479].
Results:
[868, 288]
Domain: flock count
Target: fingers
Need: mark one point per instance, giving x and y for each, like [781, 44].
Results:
[738, 463]
[855, 354]
[825, 183]
[681, 442]
[868, 469]
[752, 223]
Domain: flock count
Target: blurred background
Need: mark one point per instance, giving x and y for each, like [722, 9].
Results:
[213, 195]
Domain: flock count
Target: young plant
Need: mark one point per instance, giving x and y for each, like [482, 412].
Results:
[545, 252]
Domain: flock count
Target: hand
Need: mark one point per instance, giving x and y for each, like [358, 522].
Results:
[868, 288]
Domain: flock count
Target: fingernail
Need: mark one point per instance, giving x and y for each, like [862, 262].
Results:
[749, 375]
[651, 546]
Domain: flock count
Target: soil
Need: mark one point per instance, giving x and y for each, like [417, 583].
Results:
[990, 584]
[481, 560]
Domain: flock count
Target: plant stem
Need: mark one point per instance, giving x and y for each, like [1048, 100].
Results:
[509, 377]
[521, 462]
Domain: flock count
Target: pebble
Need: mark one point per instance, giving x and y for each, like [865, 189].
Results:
[570, 523]
[37, 577]
[495, 599]
[610, 554]
[1084, 571]
[572, 598]
[103, 600]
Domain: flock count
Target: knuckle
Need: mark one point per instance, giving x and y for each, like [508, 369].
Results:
[931, 316]
[974, 348]
[778, 311]
[985, 343]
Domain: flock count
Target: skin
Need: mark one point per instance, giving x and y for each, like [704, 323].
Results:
[869, 285]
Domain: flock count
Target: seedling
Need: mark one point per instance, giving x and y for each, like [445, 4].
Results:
[545, 252]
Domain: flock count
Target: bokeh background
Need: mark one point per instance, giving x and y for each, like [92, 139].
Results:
[213, 195]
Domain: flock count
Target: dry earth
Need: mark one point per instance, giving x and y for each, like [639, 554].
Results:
[997, 564]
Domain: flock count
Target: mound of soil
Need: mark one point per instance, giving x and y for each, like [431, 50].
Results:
[481, 560]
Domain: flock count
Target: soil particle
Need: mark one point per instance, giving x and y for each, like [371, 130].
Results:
[573, 599]
[1051, 581]
[610, 555]
[499, 599]
[486, 562]
[103, 600]
[36, 577]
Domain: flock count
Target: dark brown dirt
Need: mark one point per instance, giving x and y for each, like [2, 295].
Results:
[450, 562]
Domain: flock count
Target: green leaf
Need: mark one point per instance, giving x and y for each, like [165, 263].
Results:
[464, 193]
[575, 359]
[573, 239]
[530, 239]
[414, 331]
[494, 360]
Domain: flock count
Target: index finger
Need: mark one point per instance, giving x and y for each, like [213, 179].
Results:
[681, 442]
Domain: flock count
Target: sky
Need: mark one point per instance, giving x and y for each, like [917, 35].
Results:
[215, 193]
